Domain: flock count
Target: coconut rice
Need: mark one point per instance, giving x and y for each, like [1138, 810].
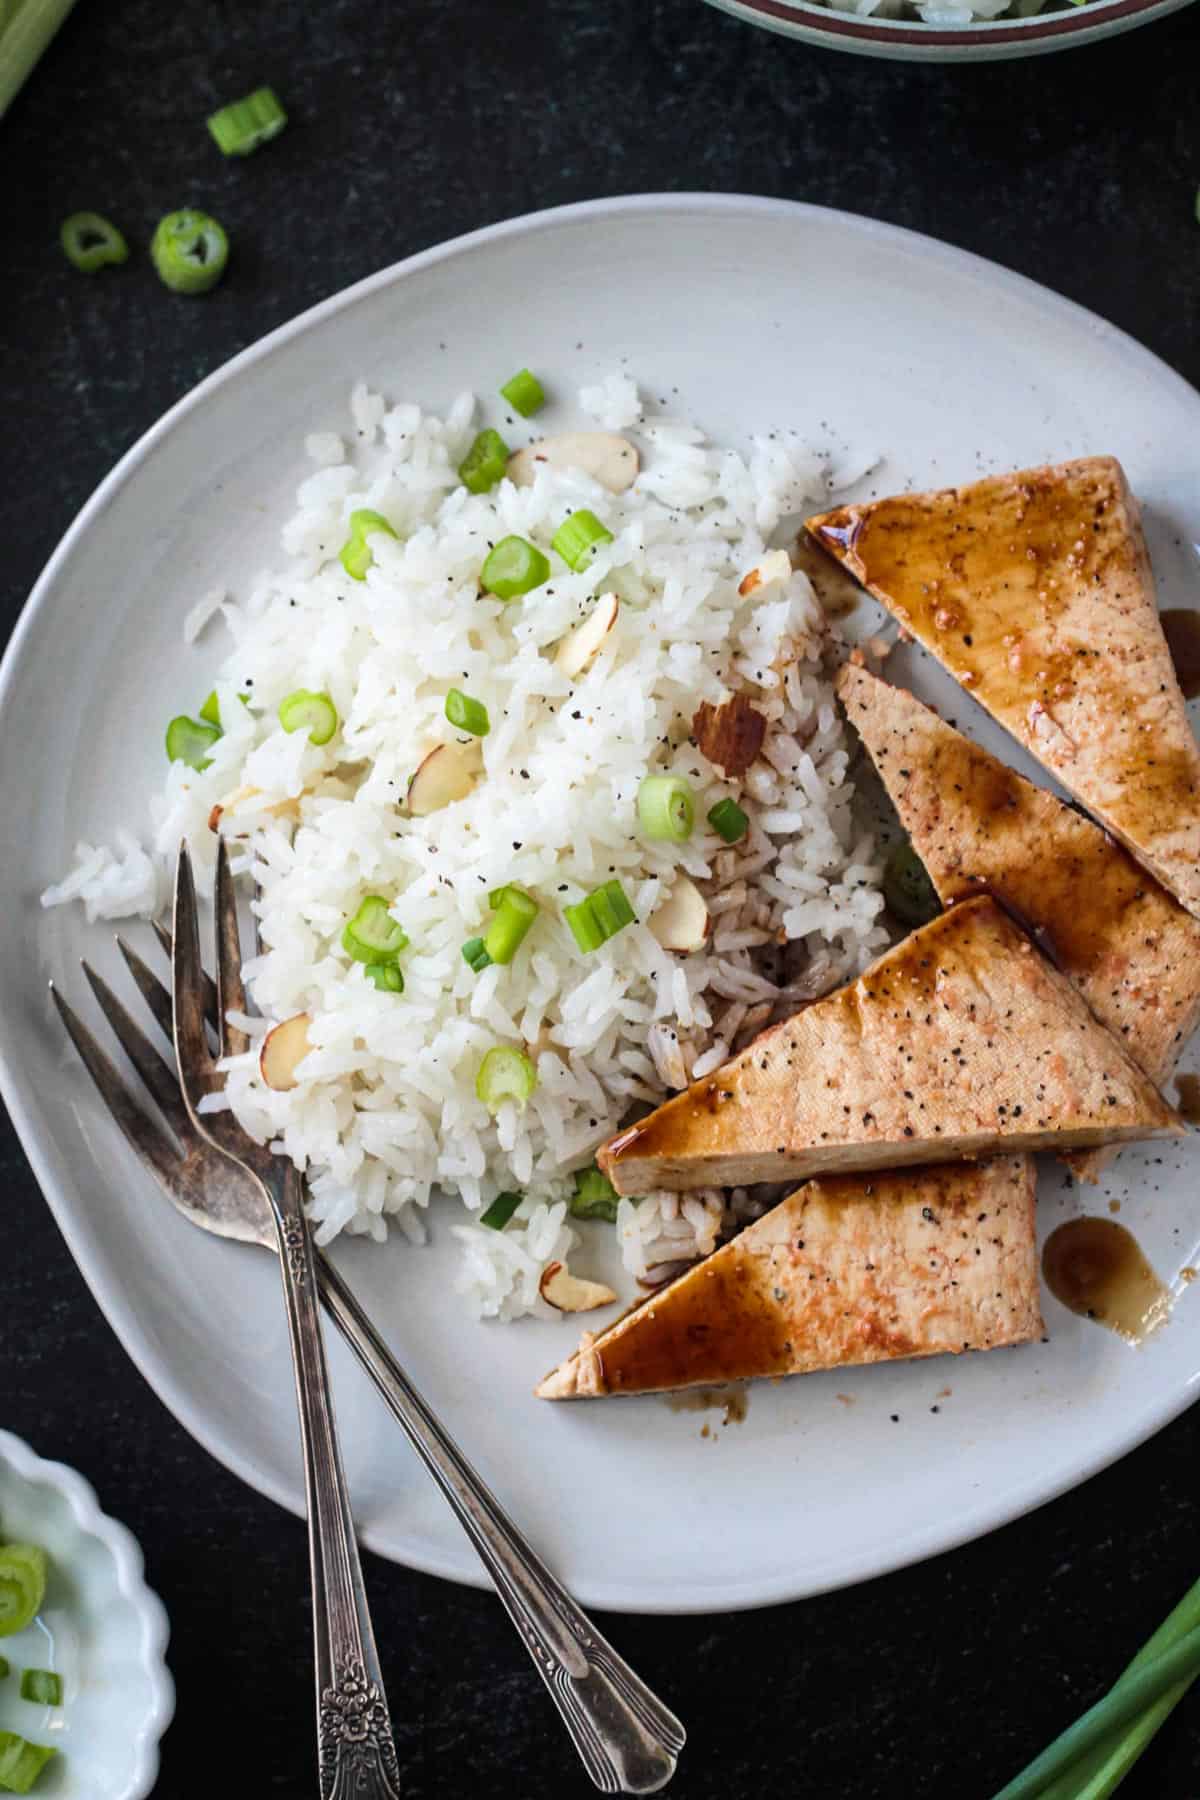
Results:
[385, 1113]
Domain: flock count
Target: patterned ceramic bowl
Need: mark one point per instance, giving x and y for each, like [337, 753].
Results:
[983, 40]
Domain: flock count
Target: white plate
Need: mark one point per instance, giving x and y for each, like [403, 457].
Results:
[101, 1629]
[760, 314]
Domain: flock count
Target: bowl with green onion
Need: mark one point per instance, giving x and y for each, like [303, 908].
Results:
[949, 30]
[85, 1694]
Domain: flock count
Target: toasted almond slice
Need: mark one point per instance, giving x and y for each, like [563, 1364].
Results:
[448, 773]
[579, 646]
[570, 1293]
[607, 458]
[776, 565]
[682, 921]
[241, 802]
[284, 1047]
[730, 735]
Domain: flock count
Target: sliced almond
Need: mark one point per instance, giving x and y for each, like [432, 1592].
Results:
[776, 565]
[579, 646]
[607, 458]
[448, 773]
[682, 921]
[730, 735]
[283, 1049]
[235, 808]
[570, 1293]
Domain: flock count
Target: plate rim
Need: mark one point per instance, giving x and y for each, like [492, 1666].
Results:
[606, 1593]
[915, 40]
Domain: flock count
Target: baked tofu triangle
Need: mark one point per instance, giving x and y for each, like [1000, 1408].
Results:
[961, 1042]
[852, 1269]
[1035, 591]
[1130, 949]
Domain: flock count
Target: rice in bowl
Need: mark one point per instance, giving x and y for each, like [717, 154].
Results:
[385, 1110]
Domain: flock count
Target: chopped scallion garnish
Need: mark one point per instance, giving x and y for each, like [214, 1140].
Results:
[356, 554]
[485, 462]
[20, 1762]
[505, 1074]
[189, 249]
[595, 1197]
[314, 713]
[500, 1211]
[515, 913]
[513, 568]
[245, 124]
[92, 242]
[22, 1586]
[467, 714]
[524, 393]
[579, 535]
[728, 821]
[600, 916]
[5, 1669]
[475, 955]
[372, 935]
[189, 739]
[386, 977]
[665, 808]
[42, 1686]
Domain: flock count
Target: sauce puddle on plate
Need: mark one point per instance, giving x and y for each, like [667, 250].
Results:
[733, 1400]
[1096, 1269]
[1181, 628]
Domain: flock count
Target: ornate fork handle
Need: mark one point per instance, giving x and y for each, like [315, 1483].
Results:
[356, 1751]
[629, 1742]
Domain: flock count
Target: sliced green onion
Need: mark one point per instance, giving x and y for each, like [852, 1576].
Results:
[211, 710]
[467, 714]
[505, 1074]
[306, 711]
[22, 1586]
[42, 1686]
[189, 249]
[188, 739]
[500, 1211]
[513, 568]
[595, 1197]
[92, 242]
[665, 808]
[515, 913]
[578, 536]
[386, 977]
[600, 916]
[728, 821]
[907, 888]
[524, 393]
[20, 1762]
[485, 462]
[5, 1669]
[356, 554]
[245, 124]
[372, 935]
[475, 955]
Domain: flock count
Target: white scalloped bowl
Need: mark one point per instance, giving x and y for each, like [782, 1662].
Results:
[101, 1628]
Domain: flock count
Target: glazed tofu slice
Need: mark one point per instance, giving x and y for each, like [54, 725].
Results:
[1130, 949]
[1035, 591]
[961, 1042]
[852, 1269]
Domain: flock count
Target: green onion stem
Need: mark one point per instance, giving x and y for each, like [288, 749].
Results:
[485, 462]
[578, 537]
[665, 808]
[513, 568]
[356, 554]
[599, 916]
[386, 976]
[22, 1586]
[595, 1197]
[524, 393]
[243, 125]
[372, 935]
[314, 713]
[91, 241]
[500, 1211]
[20, 1762]
[467, 714]
[474, 953]
[505, 1074]
[42, 1686]
[24, 35]
[728, 821]
[515, 913]
[189, 249]
[188, 739]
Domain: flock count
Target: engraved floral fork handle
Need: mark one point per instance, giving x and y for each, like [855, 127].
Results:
[356, 1751]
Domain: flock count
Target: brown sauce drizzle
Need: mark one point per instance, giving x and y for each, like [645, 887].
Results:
[1096, 1269]
[1181, 628]
[1188, 1089]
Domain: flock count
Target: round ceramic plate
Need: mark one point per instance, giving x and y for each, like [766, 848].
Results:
[747, 315]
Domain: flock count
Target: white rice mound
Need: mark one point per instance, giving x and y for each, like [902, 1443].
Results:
[947, 13]
[385, 1111]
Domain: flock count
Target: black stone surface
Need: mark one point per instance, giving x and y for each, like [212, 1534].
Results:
[409, 125]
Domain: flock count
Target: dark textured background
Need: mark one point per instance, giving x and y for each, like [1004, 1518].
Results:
[409, 125]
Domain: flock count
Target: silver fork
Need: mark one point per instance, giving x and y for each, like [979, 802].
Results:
[628, 1741]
